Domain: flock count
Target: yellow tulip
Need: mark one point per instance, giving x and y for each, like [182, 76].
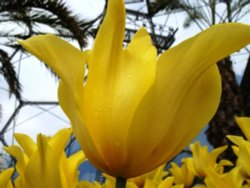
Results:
[182, 175]
[87, 184]
[45, 164]
[5, 178]
[243, 154]
[244, 124]
[155, 178]
[203, 160]
[242, 148]
[150, 183]
[157, 175]
[136, 111]
[232, 179]
[167, 183]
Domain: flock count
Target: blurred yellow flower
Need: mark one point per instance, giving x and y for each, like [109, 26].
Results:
[204, 160]
[45, 164]
[244, 124]
[231, 179]
[182, 175]
[154, 179]
[156, 176]
[87, 184]
[5, 178]
[136, 111]
[242, 148]
[166, 183]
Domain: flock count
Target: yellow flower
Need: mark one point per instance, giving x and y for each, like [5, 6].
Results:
[244, 124]
[242, 148]
[45, 164]
[203, 160]
[5, 178]
[166, 183]
[136, 111]
[154, 179]
[243, 154]
[87, 184]
[232, 179]
[156, 176]
[182, 175]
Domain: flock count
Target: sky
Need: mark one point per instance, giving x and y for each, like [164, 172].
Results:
[38, 84]
[86, 8]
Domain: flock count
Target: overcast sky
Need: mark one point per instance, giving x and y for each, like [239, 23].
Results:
[39, 85]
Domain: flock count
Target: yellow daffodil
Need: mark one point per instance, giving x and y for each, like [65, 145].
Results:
[204, 160]
[5, 178]
[136, 111]
[45, 164]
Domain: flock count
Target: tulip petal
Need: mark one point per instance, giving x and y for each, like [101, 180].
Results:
[244, 124]
[48, 174]
[68, 63]
[21, 158]
[131, 185]
[76, 159]
[86, 184]
[166, 134]
[26, 143]
[185, 96]
[216, 152]
[230, 179]
[243, 153]
[59, 140]
[109, 39]
[69, 175]
[235, 139]
[149, 184]
[63, 58]
[67, 102]
[5, 178]
[168, 182]
[111, 98]
[69, 168]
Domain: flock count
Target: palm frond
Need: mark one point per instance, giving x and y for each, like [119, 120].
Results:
[33, 14]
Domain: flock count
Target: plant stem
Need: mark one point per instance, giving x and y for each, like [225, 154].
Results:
[120, 182]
